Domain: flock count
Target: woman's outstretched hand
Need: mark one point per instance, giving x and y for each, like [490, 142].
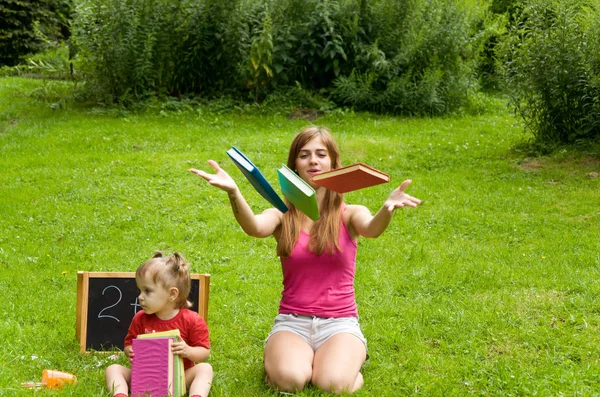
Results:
[221, 179]
[398, 198]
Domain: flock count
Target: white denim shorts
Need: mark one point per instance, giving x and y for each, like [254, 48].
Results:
[316, 330]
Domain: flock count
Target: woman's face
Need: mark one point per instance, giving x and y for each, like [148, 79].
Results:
[313, 158]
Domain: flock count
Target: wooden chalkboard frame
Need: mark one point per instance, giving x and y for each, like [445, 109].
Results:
[83, 285]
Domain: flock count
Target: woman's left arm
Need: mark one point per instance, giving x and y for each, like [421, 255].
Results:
[372, 226]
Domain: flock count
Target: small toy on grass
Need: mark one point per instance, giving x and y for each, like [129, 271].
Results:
[51, 379]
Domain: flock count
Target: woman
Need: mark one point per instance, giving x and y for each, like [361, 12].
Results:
[316, 336]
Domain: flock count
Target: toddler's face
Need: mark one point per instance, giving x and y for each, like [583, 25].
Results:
[153, 297]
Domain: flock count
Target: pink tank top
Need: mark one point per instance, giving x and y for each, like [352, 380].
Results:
[320, 285]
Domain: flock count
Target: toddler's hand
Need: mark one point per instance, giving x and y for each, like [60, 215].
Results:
[129, 353]
[181, 348]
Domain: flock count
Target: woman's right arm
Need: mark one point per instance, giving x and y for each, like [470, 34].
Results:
[261, 225]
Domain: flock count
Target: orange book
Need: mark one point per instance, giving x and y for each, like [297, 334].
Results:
[352, 177]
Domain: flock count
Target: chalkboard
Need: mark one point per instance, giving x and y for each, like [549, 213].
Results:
[107, 301]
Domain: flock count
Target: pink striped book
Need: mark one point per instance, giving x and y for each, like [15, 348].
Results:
[152, 368]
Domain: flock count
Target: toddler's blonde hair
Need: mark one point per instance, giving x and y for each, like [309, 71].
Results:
[168, 272]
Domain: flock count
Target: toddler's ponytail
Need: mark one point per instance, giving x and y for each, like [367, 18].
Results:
[178, 268]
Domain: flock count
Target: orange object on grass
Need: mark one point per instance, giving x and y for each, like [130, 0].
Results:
[56, 379]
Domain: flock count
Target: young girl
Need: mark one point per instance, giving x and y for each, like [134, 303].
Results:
[164, 285]
[316, 336]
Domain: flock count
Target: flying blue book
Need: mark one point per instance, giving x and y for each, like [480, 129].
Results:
[300, 193]
[256, 178]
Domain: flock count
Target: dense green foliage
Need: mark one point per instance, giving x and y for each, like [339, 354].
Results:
[17, 34]
[419, 57]
[400, 57]
[130, 49]
[28, 27]
[551, 65]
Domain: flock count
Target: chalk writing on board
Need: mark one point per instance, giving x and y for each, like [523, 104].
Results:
[100, 315]
[135, 306]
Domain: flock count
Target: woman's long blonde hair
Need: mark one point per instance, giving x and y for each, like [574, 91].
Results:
[325, 231]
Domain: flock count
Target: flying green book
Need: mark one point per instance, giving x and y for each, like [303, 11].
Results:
[300, 193]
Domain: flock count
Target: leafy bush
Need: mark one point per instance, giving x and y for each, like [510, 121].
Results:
[56, 27]
[550, 61]
[52, 63]
[126, 47]
[301, 41]
[131, 48]
[419, 59]
[215, 44]
[402, 57]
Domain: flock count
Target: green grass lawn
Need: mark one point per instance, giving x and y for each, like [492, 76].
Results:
[490, 287]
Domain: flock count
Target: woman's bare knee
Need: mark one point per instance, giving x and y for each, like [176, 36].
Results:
[334, 382]
[288, 362]
[287, 379]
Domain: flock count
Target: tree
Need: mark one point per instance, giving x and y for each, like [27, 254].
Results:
[25, 25]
